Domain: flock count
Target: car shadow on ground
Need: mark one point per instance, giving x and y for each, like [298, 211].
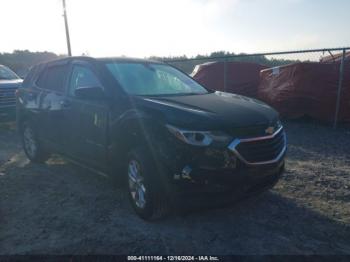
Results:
[60, 208]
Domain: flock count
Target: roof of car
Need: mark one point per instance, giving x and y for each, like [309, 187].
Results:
[102, 59]
[126, 59]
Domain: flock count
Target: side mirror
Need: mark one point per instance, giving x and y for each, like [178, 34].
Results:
[90, 92]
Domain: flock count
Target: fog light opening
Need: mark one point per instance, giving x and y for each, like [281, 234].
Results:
[186, 172]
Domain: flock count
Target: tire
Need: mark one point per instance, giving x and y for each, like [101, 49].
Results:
[31, 144]
[145, 189]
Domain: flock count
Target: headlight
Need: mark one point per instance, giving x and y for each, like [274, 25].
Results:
[278, 124]
[199, 138]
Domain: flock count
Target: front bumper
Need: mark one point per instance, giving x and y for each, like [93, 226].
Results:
[221, 188]
[242, 178]
[224, 172]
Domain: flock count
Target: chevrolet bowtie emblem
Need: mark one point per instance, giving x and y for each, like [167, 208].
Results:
[270, 130]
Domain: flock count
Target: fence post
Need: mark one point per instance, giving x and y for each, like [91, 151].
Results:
[340, 85]
[225, 74]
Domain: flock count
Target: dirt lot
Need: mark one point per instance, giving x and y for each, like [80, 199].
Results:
[59, 208]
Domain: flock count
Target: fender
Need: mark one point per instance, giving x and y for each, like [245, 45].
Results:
[139, 128]
[136, 127]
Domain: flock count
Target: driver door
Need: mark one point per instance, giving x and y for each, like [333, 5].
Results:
[87, 119]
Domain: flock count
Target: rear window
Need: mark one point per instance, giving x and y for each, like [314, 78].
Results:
[53, 78]
[28, 80]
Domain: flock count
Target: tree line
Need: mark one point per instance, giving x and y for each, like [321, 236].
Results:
[20, 61]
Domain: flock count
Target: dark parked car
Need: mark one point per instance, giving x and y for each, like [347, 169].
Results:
[9, 82]
[171, 140]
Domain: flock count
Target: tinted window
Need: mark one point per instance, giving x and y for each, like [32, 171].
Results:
[40, 82]
[82, 77]
[53, 78]
[31, 76]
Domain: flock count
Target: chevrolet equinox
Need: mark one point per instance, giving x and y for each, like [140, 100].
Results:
[171, 140]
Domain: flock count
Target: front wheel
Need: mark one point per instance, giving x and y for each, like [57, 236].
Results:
[32, 146]
[145, 189]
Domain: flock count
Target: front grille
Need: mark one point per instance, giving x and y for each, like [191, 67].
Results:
[252, 131]
[262, 150]
[245, 132]
[7, 97]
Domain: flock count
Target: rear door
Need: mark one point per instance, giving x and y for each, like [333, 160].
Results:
[87, 118]
[52, 85]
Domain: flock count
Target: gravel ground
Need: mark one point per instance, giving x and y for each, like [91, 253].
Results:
[60, 208]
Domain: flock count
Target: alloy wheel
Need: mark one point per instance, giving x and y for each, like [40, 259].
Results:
[136, 184]
[29, 141]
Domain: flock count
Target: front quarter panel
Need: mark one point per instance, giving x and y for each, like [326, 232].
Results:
[133, 128]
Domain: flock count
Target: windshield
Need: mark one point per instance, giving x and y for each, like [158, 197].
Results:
[7, 74]
[153, 79]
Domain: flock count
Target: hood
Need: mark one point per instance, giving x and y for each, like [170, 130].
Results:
[213, 111]
[14, 83]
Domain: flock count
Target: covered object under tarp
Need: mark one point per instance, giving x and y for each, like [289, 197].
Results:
[335, 58]
[242, 77]
[306, 89]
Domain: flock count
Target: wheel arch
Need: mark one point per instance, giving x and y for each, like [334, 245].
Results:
[134, 129]
[22, 117]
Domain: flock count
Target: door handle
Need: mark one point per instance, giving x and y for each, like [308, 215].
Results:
[65, 104]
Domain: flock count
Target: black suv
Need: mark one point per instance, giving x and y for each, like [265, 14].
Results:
[170, 139]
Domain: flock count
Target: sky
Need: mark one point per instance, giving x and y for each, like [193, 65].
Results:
[142, 28]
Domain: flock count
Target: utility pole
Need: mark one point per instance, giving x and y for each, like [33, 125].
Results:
[67, 29]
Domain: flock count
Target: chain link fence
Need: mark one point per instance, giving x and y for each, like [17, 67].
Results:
[313, 83]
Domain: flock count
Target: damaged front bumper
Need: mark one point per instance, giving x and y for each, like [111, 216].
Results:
[225, 172]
